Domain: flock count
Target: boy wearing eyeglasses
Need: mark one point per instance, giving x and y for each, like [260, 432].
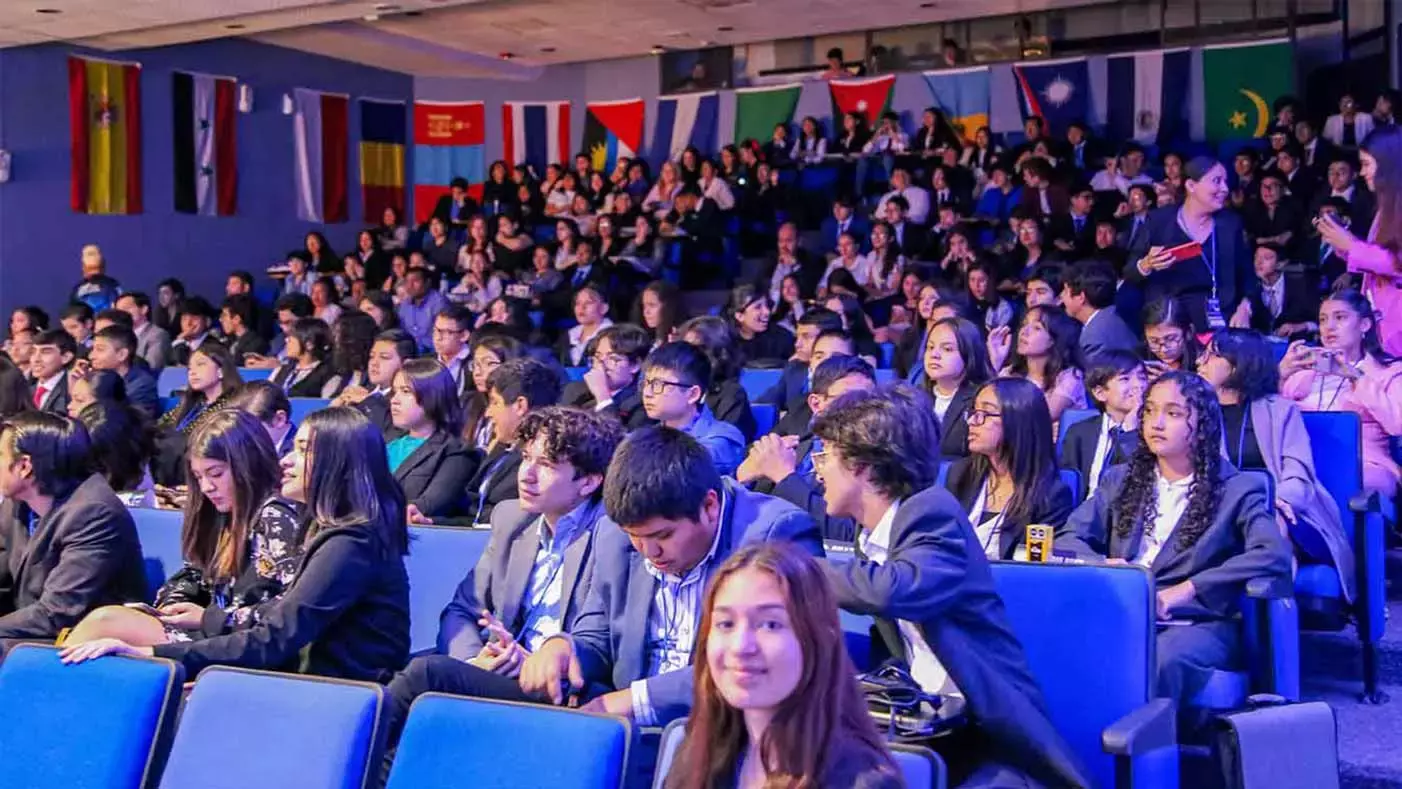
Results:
[675, 379]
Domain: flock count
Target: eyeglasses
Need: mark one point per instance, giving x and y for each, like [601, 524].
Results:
[487, 365]
[608, 360]
[437, 332]
[657, 386]
[977, 417]
[1167, 341]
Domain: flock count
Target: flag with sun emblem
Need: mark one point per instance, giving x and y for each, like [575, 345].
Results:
[1057, 91]
[1240, 83]
[870, 97]
[104, 123]
[612, 129]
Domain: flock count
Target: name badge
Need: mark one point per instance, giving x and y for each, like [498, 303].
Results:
[1214, 314]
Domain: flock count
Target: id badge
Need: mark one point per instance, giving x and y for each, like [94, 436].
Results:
[1214, 314]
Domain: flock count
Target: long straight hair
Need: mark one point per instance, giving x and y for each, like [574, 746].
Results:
[1385, 145]
[1065, 350]
[436, 392]
[230, 383]
[1028, 451]
[348, 481]
[215, 543]
[978, 370]
[824, 720]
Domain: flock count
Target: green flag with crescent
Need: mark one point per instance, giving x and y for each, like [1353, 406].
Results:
[1240, 84]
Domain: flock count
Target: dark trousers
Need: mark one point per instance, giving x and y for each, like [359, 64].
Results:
[1189, 654]
[444, 674]
[972, 761]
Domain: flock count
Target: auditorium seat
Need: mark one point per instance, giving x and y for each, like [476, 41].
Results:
[242, 728]
[101, 723]
[447, 739]
[439, 558]
[159, 533]
[301, 406]
[575, 373]
[1072, 478]
[1070, 417]
[171, 380]
[756, 381]
[766, 416]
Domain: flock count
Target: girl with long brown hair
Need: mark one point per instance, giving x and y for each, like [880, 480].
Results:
[776, 702]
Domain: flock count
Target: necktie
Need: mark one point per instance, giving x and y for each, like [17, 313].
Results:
[1079, 222]
[1112, 445]
[1268, 295]
[39, 395]
[579, 276]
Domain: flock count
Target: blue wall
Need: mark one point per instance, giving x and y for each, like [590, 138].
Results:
[41, 237]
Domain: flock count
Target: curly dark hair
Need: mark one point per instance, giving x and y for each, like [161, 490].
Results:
[586, 439]
[1137, 504]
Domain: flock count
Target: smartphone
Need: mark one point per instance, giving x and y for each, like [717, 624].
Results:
[144, 608]
[1325, 362]
[1187, 251]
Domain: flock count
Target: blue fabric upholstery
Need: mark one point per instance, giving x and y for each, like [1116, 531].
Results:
[159, 533]
[888, 355]
[446, 738]
[249, 374]
[171, 380]
[756, 381]
[102, 723]
[1109, 611]
[766, 416]
[667, 746]
[1072, 478]
[921, 767]
[1070, 417]
[885, 376]
[439, 558]
[300, 731]
[575, 373]
[301, 406]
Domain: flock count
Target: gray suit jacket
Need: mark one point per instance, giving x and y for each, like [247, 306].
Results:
[1242, 542]
[610, 633]
[500, 581]
[1107, 331]
[937, 577]
[153, 345]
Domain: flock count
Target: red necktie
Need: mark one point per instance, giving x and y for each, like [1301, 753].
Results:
[39, 395]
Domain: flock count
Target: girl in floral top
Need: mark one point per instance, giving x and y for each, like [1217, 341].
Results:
[242, 544]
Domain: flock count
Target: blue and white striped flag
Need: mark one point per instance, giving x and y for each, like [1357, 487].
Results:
[690, 119]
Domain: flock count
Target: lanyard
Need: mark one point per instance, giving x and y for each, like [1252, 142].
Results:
[1211, 262]
[995, 526]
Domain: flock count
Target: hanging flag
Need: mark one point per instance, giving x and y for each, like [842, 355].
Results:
[1147, 95]
[689, 120]
[870, 97]
[104, 124]
[612, 129]
[1241, 83]
[962, 95]
[1057, 92]
[450, 142]
[205, 144]
[321, 128]
[759, 110]
[382, 139]
[535, 133]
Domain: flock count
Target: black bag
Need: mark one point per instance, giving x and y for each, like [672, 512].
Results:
[1275, 745]
[898, 705]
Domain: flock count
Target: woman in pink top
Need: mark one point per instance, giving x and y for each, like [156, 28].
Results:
[1351, 373]
[1377, 259]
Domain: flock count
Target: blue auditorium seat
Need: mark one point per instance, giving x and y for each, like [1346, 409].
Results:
[250, 374]
[756, 381]
[575, 373]
[170, 381]
[1072, 478]
[885, 375]
[159, 533]
[439, 558]
[1336, 442]
[564, 748]
[1089, 635]
[766, 416]
[103, 723]
[301, 406]
[242, 728]
[888, 355]
[1070, 417]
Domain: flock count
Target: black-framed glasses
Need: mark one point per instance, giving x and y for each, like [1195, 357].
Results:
[978, 417]
[657, 386]
[608, 360]
[1166, 341]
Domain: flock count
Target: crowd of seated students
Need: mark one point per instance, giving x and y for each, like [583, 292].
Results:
[1009, 287]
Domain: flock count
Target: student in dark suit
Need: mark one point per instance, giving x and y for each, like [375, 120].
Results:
[427, 455]
[955, 365]
[1088, 295]
[1287, 302]
[782, 466]
[1010, 478]
[794, 380]
[610, 385]
[537, 571]
[1115, 381]
[790, 258]
[726, 398]
[54, 351]
[238, 318]
[799, 414]
[514, 389]
[346, 614]
[308, 371]
[844, 219]
[114, 349]
[67, 545]
[1223, 268]
[456, 208]
[391, 349]
[921, 572]
[1201, 527]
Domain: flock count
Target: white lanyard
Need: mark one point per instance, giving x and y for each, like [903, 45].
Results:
[994, 526]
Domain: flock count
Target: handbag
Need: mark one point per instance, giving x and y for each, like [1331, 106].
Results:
[898, 705]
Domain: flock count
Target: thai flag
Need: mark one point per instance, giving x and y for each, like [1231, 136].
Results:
[1147, 95]
[687, 120]
[536, 133]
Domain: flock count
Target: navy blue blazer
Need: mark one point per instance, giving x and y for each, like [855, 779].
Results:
[1052, 511]
[141, 389]
[1243, 542]
[435, 475]
[1078, 450]
[937, 577]
[1191, 280]
[501, 580]
[610, 632]
[792, 383]
[1107, 331]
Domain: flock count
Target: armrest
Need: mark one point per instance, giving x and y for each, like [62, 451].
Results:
[1152, 726]
[1364, 501]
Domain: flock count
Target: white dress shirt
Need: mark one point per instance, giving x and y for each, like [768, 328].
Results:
[918, 199]
[718, 192]
[1104, 450]
[925, 667]
[1172, 502]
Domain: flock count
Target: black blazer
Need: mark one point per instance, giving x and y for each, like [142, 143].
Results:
[627, 405]
[1242, 543]
[56, 400]
[731, 403]
[797, 419]
[82, 555]
[809, 271]
[1052, 511]
[937, 576]
[250, 342]
[346, 614]
[1300, 305]
[494, 482]
[1191, 280]
[435, 475]
[313, 385]
[376, 409]
[792, 383]
[954, 431]
[1078, 450]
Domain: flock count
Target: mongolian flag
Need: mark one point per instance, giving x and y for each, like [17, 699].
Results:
[104, 104]
[383, 134]
[613, 129]
[870, 97]
[205, 144]
[449, 142]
